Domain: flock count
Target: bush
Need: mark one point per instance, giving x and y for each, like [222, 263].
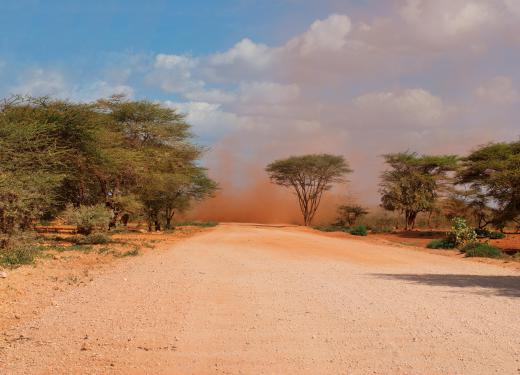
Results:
[482, 232]
[330, 228]
[88, 218]
[19, 251]
[441, 244]
[460, 233]
[359, 230]
[481, 250]
[202, 224]
[496, 235]
[91, 239]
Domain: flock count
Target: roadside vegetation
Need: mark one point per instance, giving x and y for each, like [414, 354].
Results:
[478, 196]
[95, 166]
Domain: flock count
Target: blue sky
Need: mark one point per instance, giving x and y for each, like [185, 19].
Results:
[266, 79]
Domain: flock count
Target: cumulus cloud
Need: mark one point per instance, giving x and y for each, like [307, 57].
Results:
[414, 107]
[268, 93]
[245, 51]
[441, 20]
[42, 82]
[499, 90]
[173, 73]
[327, 35]
[410, 78]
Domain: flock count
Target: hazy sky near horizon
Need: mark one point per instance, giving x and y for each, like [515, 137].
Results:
[265, 79]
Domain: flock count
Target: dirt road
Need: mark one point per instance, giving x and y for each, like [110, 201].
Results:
[264, 300]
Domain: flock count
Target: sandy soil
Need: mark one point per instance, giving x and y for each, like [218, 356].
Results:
[274, 300]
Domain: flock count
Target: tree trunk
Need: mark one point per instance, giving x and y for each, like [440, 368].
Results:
[169, 218]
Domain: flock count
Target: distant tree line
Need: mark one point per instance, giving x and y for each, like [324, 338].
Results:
[131, 158]
[483, 187]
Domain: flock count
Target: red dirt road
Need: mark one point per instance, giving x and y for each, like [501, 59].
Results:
[264, 300]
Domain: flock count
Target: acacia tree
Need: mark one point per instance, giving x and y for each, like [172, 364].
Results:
[310, 176]
[349, 214]
[56, 154]
[413, 183]
[493, 173]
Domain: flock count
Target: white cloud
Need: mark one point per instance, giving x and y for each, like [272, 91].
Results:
[499, 90]
[415, 108]
[208, 120]
[245, 51]
[441, 21]
[210, 95]
[173, 74]
[513, 6]
[268, 93]
[324, 35]
[40, 82]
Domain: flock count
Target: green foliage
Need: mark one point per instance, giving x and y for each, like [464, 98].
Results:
[330, 228]
[441, 244]
[461, 233]
[129, 253]
[88, 218]
[481, 250]
[202, 224]
[17, 251]
[359, 230]
[496, 235]
[134, 157]
[310, 176]
[482, 232]
[493, 173]
[91, 239]
[349, 214]
[413, 182]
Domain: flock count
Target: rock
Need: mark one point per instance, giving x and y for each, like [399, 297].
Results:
[3, 274]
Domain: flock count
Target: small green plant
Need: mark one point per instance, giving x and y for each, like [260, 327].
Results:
[496, 235]
[17, 254]
[202, 224]
[481, 250]
[130, 253]
[441, 244]
[88, 218]
[330, 228]
[360, 230]
[516, 257]
[461, 233]
[381, 229]
[84, 248]
[91, 239]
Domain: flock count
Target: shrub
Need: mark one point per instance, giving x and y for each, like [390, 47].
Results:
[359, 230]
[129, 253]
[461, 233]
[330, 228]
[91, 239]
[17, 252]
[349, 214]
[482, 232]
[88, 218]
[482, 250]
[202, 224]
[496, 235]
[441, 244]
